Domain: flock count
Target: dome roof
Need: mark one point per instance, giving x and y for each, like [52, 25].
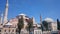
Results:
[49, 20]
[22, 14]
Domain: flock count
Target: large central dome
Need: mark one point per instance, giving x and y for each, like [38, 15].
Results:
[49, 20]
[22, 14]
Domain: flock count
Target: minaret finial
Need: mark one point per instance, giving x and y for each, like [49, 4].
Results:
[6, 3]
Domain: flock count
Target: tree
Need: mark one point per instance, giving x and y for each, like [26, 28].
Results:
[44, 26]
[58, 24]
[30, 24]
[20, 24]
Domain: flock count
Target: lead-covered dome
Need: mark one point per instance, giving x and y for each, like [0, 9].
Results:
[49, 20]
[22, 14]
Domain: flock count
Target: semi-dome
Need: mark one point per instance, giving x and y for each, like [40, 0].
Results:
[8, 24]
[49, 20]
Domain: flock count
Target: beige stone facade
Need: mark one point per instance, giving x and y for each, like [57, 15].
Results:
[14, 21]
[7, 29]
[54, 26]
[37, 31]
[46, 32]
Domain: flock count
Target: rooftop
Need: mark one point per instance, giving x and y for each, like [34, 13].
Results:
[49, 20]
[22, 14]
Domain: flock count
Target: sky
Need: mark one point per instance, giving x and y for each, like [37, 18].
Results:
[32, 8]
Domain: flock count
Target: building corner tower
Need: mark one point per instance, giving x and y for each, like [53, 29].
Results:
[6, 13]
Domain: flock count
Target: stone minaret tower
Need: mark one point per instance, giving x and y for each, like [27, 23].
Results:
[33, 20]
[40, 19]
[1, 18]
[6, 12]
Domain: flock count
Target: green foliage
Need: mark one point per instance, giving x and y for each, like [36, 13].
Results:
[58, 24]
[44, 26]
[30, 24]
[20, 24]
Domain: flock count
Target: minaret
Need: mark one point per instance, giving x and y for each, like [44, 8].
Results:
[40, 19]
[33, 20]
[1, 18]
[6, 12]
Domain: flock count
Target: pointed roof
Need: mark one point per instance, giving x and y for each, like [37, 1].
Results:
[6, 2]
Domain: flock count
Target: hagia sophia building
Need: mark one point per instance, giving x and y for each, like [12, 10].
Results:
[10, 26]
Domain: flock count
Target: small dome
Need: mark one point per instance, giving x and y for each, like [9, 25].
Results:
[22, 14]
[49, 20]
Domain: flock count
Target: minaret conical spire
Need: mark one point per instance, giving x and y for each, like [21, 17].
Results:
[6, 12]
[6, 2]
